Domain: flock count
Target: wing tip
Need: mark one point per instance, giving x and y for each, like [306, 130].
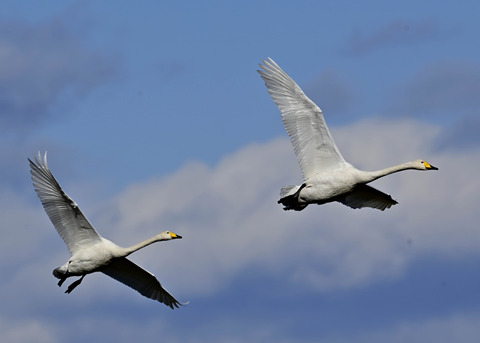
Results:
[177, 304]
[39, 161]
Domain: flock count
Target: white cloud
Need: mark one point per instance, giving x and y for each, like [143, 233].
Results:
[231, 224]
[230, 220]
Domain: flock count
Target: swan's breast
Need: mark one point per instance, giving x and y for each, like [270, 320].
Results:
[328, 185]
[92, 258]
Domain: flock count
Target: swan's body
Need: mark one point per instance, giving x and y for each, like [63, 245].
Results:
[327, 176]
[90, 251]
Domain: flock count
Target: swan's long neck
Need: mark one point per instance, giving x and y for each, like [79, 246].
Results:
[127, 251]
[373, 175]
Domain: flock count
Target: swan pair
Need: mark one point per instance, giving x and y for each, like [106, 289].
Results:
[327, 176]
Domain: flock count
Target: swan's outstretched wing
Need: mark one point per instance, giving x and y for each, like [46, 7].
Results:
[313, 144]
[144, 282]
[366, 196]
[71, 224]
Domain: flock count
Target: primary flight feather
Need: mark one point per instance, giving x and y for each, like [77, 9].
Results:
[89, 251]
[327, 176]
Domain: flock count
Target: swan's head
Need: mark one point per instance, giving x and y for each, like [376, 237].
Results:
[167, 235]
[424, 165]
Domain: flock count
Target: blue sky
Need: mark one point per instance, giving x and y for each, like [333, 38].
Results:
[154, 117]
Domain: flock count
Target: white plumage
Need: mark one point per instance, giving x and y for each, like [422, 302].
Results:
[327, 176]
[90, 251]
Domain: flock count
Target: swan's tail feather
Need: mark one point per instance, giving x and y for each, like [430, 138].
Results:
[289, 198]
[288, 190]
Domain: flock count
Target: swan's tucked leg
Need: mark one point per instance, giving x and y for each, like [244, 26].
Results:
[74, 284]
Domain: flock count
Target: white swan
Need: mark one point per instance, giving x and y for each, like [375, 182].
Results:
[327, 176]
[90, 251]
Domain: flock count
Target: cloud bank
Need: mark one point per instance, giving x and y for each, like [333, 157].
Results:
[231, 221]
[234, 231]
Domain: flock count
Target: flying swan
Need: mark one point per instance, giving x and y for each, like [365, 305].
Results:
[327, 176]
[90, 251]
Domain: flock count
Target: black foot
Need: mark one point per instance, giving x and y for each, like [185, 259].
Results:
[60, 283]
[73, 285]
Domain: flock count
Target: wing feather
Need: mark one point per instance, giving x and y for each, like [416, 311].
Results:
[366, 196]
[128, 273]
[64, 213]
[312, 142]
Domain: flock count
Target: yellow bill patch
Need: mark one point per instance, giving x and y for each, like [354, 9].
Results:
[427, 165]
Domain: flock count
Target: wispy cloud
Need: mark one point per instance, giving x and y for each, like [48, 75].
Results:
[25, 331]
[441, 89]
[395, 33]
[456, 328]
[41, 64]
